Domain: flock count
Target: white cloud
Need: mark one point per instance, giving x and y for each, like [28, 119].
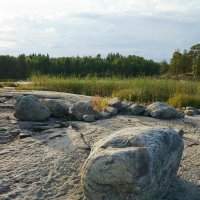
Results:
[51, 7]
[151, 28]
[7, 44]
[49, 30]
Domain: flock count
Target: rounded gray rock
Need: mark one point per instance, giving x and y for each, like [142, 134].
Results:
[105, 115]
[161, 110]
[57, 108]
[115, 103]
[29, 108]
[134, 163]
[137, 109]
[81, 108]
[189, 112]
[112, 111]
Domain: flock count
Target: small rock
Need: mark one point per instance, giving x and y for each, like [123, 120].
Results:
[112, 111]
[57, 108]
[88, 118]
[25, 135]
[137, 109]
[125, 109]
[115, 103]
[105, 115]
[3, 99]
[180, 114]
[181, 132]
[189, 112]
[29, 108]
[145, 114]
[192, 108]
[81, 108]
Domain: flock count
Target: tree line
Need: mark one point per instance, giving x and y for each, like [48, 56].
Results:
[23, 66]
[186, 61]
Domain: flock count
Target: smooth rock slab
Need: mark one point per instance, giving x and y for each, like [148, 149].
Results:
[29, 108]
[132, 164]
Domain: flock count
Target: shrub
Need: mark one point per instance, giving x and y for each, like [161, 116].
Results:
[183, 100]
[100, 104]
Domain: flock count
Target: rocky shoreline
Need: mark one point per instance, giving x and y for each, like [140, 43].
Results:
[43, 160]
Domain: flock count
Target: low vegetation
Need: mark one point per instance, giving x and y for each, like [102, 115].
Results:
[9, 84]
[178, 93]
[131, 78]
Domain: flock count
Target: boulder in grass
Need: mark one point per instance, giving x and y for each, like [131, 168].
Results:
[57, 108]
[161, 110]
[29, 108]
[81, 108]
[134, 163]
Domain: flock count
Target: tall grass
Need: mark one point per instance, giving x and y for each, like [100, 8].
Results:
[142, 89]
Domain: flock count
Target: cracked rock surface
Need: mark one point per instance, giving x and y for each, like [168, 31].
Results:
[46, 160]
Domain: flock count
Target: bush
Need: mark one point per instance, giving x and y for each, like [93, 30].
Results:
[100, 104]
[183, 100]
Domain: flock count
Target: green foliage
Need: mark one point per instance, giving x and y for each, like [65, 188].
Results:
[164, 67]
[142, 89]
[183, 100]
[180, 62]
[196, 67]
[186, 61]
[100, 104]
[114, 64]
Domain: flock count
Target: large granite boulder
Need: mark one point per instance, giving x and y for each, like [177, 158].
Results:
[81, 108]
[132, 164]
[29, 108]
[57, 108]
[161, 110]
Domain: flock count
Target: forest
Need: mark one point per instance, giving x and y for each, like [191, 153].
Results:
[23, 66]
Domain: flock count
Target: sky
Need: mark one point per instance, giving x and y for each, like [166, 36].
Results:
[152, 29]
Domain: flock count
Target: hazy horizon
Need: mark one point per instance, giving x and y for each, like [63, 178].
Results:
[69, 28]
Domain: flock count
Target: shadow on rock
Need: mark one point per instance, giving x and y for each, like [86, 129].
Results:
[181, 189]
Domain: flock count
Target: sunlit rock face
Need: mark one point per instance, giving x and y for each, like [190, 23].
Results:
[132, 164]
[29, 108]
